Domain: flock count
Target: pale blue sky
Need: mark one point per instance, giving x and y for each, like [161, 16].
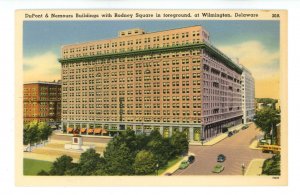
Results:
[42, 36]
[255, 43]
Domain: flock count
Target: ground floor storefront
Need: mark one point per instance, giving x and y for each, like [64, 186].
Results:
[194, 132]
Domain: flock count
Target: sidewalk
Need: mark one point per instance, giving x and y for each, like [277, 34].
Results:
[255, 167]
[175, 166]
[219, 137]
[211, 142]
[84, 135]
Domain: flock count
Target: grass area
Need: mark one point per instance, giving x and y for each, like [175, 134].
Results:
[170, 164]
[32, 167]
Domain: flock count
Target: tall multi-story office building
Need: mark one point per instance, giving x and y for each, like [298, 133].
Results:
[248, 94]
[172, 80]
[42, 102]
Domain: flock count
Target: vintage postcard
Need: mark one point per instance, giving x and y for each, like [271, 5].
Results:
[151, 97]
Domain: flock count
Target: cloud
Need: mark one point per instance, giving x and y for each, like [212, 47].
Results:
[44, 67]
[255, 56]
[261, 61]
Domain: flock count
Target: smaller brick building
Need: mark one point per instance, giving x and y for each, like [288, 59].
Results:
[42, 102]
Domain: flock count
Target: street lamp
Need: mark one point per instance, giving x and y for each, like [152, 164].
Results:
[157, 166]
[243, 169]
[202, 137]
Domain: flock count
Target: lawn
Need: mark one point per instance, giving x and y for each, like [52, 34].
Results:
[170, 164]
[32, 167]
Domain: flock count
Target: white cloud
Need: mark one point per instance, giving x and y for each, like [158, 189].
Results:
[44, 67]
[255, 56]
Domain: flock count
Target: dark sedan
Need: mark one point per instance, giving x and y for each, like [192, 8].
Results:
[191, 159]
[221, 158]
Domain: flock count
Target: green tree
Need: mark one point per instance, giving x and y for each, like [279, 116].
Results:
[89, 163]
[128, 138]
[43, 173]
[34, 132]
[62, 165]
[180, 143]
[271, 166]
[30, 133]
[161, 149]
[119, 159]
[267, 119]
[145, 163]
[44, 130]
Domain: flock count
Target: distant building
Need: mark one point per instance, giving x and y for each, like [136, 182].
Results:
[248, 95]
[42, 102]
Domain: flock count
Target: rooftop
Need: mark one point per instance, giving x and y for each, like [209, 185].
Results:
[43, 82]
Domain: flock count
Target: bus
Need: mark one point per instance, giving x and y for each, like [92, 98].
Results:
[274, 149]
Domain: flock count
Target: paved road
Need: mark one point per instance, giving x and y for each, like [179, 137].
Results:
[84, 139]
[235, 148]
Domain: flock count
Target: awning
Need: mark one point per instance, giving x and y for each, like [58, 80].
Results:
[97, 130]
[69, 129]
[104, 131]
[91, 131]
[83, 130]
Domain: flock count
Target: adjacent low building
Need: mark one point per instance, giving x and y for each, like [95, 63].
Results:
[172, 80]
[42, 102]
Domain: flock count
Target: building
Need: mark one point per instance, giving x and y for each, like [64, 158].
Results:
[172, 80]
[42, 102]
[248, 95]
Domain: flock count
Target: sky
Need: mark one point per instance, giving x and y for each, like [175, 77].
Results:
[254, 43]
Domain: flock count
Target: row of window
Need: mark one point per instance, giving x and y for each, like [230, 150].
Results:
[130, 42]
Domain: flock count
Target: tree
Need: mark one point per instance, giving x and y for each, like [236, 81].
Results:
[44, 131]
[34, 132]
[43, 173]
[144, 163]
[62, 165]
[89, 162]
[119, 159]
[30, 133]
[267, 119]
[128, 138]
[161, 149]
[271, 166]
[180, 143]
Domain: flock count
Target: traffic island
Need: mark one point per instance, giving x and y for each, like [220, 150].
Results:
[255, 167]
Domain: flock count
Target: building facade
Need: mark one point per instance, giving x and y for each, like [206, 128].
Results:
[248, 95]
[42, 102]
[172, 80]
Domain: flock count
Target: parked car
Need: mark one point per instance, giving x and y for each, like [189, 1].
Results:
[218, 168]
[184, 164]
[230, 134]
[221, 158]
[191, 159]
[245, 127]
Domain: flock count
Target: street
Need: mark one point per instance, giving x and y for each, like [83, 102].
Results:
[235, 148]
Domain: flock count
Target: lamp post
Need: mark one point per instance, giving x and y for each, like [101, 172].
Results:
[157, 166]
[243, 169]
[202, 137]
